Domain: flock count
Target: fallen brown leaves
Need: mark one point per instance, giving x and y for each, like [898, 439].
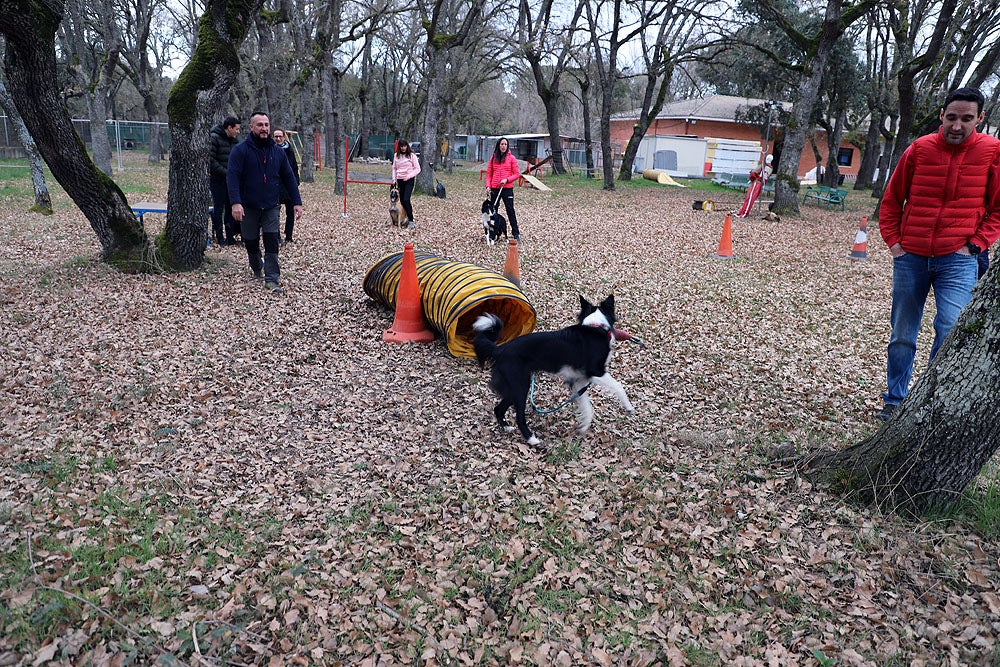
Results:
[217, 475]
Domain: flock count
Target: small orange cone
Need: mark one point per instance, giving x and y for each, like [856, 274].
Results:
[510, 269]
[860, 250]
[408, 324]
[725, 250]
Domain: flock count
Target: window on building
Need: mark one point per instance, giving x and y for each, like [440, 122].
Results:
[845, 156]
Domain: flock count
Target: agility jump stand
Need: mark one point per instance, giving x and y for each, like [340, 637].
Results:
[347, 160]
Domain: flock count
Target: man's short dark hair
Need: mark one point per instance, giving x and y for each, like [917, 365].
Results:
[257, 113]
[966, 95]
[231, 121]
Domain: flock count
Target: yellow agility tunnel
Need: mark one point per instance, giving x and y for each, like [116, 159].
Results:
[453, 295]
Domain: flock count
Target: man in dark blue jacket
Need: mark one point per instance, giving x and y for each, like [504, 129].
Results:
[256, 168]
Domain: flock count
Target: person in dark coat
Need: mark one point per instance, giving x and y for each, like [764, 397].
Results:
[281, 139]
[257, 171]
[222, 138]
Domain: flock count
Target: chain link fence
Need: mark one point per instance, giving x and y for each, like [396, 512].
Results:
[126, 136]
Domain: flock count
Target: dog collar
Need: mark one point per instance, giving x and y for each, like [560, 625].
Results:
[607, 330]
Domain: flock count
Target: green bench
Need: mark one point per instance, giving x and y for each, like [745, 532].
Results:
[739, 182]
[825, 196]
[734, 181]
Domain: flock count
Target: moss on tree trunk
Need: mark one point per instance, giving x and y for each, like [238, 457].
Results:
[196, 99]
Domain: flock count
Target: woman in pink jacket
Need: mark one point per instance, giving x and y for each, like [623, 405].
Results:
[405, 168]
[501, 174]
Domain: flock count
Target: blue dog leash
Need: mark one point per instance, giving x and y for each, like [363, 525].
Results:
[579, 393]
[531, 397]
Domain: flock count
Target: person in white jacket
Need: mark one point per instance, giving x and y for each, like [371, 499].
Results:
[405, 168]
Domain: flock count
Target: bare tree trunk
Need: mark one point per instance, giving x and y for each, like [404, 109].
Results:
[448, 156]
[429, 155]
[198, 97]
[652, 101]
[43, 201]
[786, 183]
[588, 142]
[833, 138]
[307, 167]
[336, 127]
[885, 158]
[363, 92]
[869, 158]
[944, 431]
[817, 50]
[30, 66]
[155, 143]
[100, 144]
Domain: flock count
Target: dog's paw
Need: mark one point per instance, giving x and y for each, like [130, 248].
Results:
[629, 408]
[509, 429]
[533, 441]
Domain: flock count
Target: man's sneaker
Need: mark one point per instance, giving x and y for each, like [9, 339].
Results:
[886, 412]
[258, 274]
[274, 287]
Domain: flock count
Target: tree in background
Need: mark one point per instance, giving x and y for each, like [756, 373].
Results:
[43, 201]
[448, 25]
[677, 35]
[548, 48]
[88, 30]
[611, 25]
[142, 59]
[30, 67]
[815, 38]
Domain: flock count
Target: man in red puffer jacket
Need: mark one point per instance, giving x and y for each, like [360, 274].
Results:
[940, 209]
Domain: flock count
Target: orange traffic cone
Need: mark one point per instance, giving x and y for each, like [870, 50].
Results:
[860, 250]
[725, 250]
[408, 324]
[510, 269]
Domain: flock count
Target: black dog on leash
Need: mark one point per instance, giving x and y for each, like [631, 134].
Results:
[494, 224]
[578, 354]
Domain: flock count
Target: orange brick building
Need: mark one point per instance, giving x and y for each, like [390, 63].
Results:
[715, 117]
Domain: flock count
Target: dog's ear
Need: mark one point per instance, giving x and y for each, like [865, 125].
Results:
[586, 308]
[608, 308]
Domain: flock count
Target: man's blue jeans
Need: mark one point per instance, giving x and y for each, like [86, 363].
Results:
[952, 277]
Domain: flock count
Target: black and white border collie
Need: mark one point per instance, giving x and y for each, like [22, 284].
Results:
[494, 224]
[578, 354]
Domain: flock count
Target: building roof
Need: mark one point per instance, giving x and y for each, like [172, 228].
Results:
[713, 107]
[532, 136]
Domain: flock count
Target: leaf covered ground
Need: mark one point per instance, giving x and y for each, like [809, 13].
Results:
[196, 471]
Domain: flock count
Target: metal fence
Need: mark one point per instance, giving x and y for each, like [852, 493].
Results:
[124, 135]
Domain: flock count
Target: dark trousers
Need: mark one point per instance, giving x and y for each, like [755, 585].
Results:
[289, 219]
[262, 225]
[224, 226]
[984, 262]
[405, 190]
[507, 195]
